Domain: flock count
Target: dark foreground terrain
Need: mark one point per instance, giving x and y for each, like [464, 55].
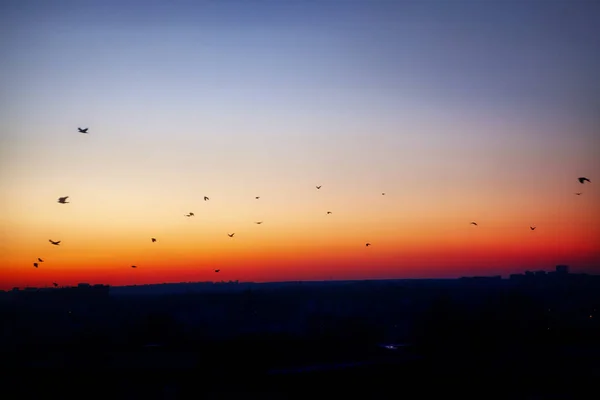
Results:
[303, 368]
[531, 337]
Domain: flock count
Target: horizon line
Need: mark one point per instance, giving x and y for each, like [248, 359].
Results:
[498, 277]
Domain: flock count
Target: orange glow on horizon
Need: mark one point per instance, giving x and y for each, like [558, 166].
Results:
[466, 251]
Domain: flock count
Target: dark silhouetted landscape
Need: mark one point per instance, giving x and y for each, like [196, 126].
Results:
[534, 334]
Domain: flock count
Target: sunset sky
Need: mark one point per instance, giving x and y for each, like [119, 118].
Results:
[459, 111]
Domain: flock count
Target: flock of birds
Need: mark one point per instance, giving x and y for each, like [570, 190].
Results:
[63, 200]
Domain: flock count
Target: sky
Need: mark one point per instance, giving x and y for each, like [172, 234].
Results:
[458, 111]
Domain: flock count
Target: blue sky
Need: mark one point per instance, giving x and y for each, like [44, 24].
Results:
[524, 53]
[260, 72]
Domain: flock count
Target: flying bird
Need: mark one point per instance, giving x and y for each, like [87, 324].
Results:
[474, 223]
[319, 187]
[583, 179]
[55, 284]
[189, 215]
[258, 222]
[578, 194]
[367, 244]
[257, 197]
[153, 240]
[35, 265]
[85, 130]
[40, 260]
[63, 200]
[383, 194]
[54, 243]
[133, 266]
[217, 270]
[328, 212]
[231, 234]
[532, 228]
[206, 198]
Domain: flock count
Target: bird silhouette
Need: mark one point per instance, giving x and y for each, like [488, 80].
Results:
[583, 179]
[84, 130]
[383, 194]
[367, 244]
[40, 260]
[532, 228]
[55, 284]
[153, 240]
[217, 270]
[231, 234]
[578, 194]
[54, 243]
[35, 265]
[189, 215]
[258, 222]
[319, 187]
[63, 200]
[206, 198]
[257, 197]
[133, 266]
[474, 223]
[328, 212]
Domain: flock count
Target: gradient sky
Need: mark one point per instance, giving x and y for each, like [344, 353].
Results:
[459, 111]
